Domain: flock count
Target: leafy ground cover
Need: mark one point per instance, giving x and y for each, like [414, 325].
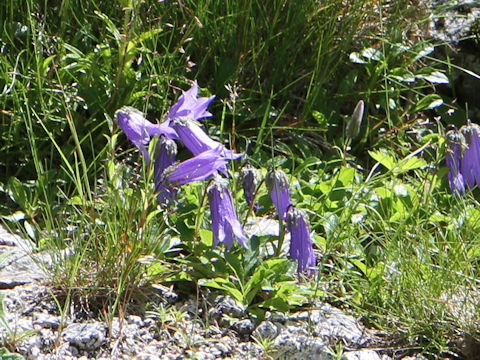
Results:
[391, 242]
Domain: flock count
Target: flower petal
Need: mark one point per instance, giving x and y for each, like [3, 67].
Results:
[197, 168]
[137, 129]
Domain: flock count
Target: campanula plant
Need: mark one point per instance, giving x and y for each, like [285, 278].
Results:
[209, 160]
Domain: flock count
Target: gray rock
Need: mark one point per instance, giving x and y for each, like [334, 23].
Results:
[332, 324]
[226, 305]
[296, 343]
[276, 317]
[244, 327]
[143, 356]
[85, 336]
[266, 330]
[45, 320]
[18, 266]
[451, 20]
[166, 293]
[224, 349]
[310, 334]
[135, 319]
[364, 354]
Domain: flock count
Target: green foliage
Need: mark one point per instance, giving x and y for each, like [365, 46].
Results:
[6, 355]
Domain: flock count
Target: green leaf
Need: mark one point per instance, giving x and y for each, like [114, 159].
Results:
[6, 355]
[423, 50]
[277, 303]
[383, 158]
[372, 54]
[346, 176]
[402, 74]
[206, 236]
[430, 101]
[234, 261]
[411, 163]
[432, 75]
[110, 25]
[18, 192]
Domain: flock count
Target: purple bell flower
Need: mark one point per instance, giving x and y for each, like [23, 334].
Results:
[190, 105]
[301, 248]
[138, 129]
[250, 180]
[454, 154]
[197, 168]
[165, 153]
[225, 224]
[277, 184]
[470, 163]
[197, 141]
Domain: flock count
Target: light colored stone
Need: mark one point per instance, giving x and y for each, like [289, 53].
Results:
[266, 330]
[364, 354]
[85, 336]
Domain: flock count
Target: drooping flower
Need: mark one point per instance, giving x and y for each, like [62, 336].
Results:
[225, 224]
[453, 160]
[197, 168]
[470, 163]
[190, 105]
[353, 126]
[277, 184]
[138, 129]
[301, 248]
[165, 153]
[250, 180]
[197, 141]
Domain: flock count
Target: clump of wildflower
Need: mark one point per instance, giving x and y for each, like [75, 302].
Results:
[454, 154]
[301, 248]
[210, 158]
[277, 184]
[225, 224]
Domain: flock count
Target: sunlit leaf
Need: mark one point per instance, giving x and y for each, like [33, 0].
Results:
[430, 101]
[383, 158]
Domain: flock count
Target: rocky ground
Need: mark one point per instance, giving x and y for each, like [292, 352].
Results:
[182, 328]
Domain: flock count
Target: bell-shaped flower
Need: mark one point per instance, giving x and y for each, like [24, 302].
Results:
[353, 126]
[190, 105]
[250, 178]
[277, 184]
[301, 248]
[454, 154]
[225, 224]
[197, 141]
[138, 129]
[470, 163]
[165, 153]
[197, 168]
